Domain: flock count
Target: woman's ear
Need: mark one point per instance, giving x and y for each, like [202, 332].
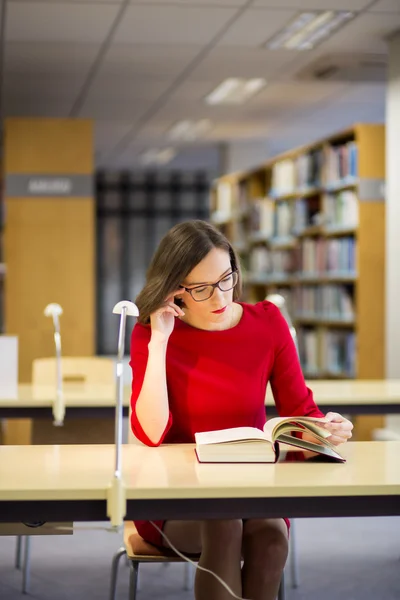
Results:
[179, 301]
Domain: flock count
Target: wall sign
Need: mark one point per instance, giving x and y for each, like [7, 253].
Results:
[39, 186]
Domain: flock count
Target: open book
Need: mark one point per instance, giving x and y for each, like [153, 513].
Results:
[248, 444]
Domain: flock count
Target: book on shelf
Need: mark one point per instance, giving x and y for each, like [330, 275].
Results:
[341, 163]
[224, 201]
[327, 301]
[263, 260]
[340, 210]
[327, 351]
[320, 255]
[249, 444]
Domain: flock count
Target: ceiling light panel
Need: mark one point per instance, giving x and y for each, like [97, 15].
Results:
[189, 130]
[308, 29]
[235, 91]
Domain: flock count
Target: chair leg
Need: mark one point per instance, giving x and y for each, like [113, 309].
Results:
[26, 566]
[294, 567]
[188, 576]
[114, 572]
[133, 579]
[281, 591]
[18, 552]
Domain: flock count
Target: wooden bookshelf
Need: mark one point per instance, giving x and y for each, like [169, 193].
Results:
[310, 224]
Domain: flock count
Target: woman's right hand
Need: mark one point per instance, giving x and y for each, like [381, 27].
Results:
[163, 319]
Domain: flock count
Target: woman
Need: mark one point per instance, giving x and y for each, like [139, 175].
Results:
[201, 360]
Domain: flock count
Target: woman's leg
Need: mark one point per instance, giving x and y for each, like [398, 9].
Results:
[220, 544]
[265, 549]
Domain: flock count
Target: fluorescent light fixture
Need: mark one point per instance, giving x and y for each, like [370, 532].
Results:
[189, 130]
[308, 29]
[235, 91]
[156, 156]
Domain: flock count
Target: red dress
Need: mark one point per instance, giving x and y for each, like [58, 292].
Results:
[218, 379]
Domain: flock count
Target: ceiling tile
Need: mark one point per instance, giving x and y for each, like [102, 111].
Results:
[390, 6]
[283, 95]
[60, 22]
[51, 84]
[36, 105]
[200, 3]
[315, 4]
[171, 24]
[69, 1]
[109, 107]
[148, 61]
[366, 33]
[42, 57]
[117, 86]
[364, 93]
[255, 27]
[108, 133]
[224, 61]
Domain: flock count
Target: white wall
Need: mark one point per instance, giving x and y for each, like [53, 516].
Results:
[393, 212]
[392, 430]
[243, 155]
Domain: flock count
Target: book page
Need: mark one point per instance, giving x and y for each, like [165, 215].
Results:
[235, 434]
[274, 427]
[326, 448]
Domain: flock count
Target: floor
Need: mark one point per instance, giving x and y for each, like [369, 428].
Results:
[352, 559]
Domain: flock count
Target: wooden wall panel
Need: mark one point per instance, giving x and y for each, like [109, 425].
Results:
[49, 246]
[50, 257]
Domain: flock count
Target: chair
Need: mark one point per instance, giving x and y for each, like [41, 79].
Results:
[139, 551]
[280, 302]
[81, 375]
[84, 371]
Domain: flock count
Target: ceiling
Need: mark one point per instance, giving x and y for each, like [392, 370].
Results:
[137, 67]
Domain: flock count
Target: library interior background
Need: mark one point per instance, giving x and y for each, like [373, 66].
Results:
[276, 120]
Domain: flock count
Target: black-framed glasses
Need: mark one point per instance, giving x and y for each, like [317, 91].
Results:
[204, 292]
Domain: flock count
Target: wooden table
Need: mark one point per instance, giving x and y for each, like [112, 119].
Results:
[69, 483]
[351, 397]
[359, 397]
[80, 401]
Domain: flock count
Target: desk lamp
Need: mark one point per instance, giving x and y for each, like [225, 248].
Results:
[54, 310]
[116, 501]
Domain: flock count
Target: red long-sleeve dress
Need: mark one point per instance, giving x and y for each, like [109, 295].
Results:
[218, 379]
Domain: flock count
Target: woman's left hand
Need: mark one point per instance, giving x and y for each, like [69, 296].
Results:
[339, 427]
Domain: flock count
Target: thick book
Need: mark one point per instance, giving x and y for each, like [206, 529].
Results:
[249, 444]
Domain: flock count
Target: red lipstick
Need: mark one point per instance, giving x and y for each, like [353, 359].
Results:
[220, 311]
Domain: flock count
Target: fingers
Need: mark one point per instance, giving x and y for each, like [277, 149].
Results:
[177, 309]
[172, 308]
[339, 427]
[333, 416]
[341, 438]
[178, 292]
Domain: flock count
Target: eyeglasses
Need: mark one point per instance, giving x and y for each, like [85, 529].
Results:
[204, 292]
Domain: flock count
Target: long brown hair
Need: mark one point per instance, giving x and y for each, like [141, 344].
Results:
[180, 250]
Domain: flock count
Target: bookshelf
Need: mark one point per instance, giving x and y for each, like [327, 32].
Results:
[310, 225]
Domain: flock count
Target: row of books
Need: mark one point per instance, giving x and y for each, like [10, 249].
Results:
[300, 173]
[320, 303]
[327, 352]
[322, 255]
[312, 257]
[262, 260]
[325, 302]
[283, 218]
[321, 167]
